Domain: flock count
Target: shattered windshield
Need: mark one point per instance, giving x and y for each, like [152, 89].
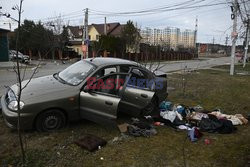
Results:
[76, 73]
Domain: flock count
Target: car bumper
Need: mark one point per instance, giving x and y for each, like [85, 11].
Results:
[10, 117]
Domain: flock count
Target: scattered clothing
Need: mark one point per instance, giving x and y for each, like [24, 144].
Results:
[136, 131]
[180, 109]
[166, 105]
[194, 134]
[197, 116]
[236, 119]
[198, 108]
[184, 127]
[139, 128]
[227, 127]
[210, 125]
[90, 142]
[169, 115]
[213, 124]
[165, 122]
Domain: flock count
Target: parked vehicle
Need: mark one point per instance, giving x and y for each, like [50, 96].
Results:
[96, 89]
[23, 58]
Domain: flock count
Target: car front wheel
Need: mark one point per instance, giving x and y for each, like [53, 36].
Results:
[50, 121]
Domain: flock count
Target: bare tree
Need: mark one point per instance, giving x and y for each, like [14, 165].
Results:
[20, 77]
[19, 84]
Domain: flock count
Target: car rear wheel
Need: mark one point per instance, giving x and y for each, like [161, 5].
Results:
[50, 121]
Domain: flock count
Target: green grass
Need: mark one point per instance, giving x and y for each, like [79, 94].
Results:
[238, 67]
[208, 88]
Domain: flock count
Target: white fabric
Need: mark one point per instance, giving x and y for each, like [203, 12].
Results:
[184, 127]
[169, 115]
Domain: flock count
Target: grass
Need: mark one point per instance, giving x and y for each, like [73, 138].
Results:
[208, 88]
[238, 67]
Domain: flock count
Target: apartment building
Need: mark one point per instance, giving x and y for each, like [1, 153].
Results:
[170, 37]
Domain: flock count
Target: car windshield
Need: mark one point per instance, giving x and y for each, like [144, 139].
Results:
[14, 52]
[76, 73]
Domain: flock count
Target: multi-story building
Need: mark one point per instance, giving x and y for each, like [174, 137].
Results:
[146, 35]
[170, 37]
[187, 38]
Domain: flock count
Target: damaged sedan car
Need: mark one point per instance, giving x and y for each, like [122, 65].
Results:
[95, 89]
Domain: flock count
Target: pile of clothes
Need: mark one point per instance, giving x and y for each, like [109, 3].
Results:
[196, 120]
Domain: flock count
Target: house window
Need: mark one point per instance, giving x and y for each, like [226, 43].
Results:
[97, 37]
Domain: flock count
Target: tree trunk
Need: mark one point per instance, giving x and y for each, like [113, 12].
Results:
[60, 54]
[105, 53]
[30, 53]
[39, 55]
[94, 53]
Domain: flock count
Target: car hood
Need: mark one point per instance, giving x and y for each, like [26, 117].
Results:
[41, 86]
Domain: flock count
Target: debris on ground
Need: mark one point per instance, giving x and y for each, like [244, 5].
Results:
[194, 120]
[90, 142]
[141, 128]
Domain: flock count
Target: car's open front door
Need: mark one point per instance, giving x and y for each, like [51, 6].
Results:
[137, 94]
[100, 103]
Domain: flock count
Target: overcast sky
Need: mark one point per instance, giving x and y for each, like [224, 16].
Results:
[214, 21]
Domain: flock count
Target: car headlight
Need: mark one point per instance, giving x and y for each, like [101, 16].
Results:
[13, 105]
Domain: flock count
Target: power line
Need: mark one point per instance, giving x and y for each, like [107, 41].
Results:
[140, 13]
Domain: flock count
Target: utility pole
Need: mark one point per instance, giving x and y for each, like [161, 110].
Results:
[85, 36]
[226, 43]
[247, 43]
[105, 26]
[195, 36]
[234, 35]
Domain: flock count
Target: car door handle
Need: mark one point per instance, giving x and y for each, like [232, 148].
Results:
[109, 103]
[144, 95]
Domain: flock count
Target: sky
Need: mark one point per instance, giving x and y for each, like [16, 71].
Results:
[213, 21]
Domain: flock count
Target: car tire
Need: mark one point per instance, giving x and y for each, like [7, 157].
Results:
[51, 120]
[151, 108]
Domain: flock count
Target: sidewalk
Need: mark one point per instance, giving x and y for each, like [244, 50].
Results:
[6, 65]
[9, 65]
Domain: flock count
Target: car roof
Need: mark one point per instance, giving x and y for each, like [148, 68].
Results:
[105, 61]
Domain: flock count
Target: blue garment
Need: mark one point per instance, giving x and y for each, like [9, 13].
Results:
[166, 105]
[181, 110]
[191, 135]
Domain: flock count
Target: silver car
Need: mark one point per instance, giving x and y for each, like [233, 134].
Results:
[96, 89]
[22, 58]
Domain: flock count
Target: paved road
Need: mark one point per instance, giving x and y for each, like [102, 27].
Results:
[8, 77]
[193, 64]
